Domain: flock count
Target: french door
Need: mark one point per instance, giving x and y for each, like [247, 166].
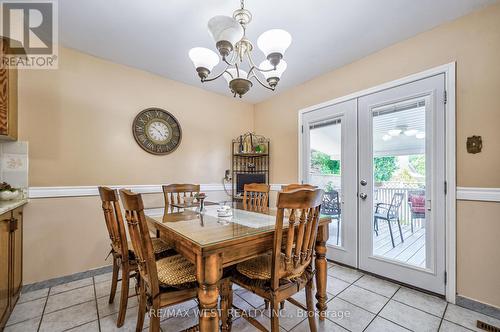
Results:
[383, 155]
[330, 162]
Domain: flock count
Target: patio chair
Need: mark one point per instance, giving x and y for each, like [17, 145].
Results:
[389, 213]
[331, 208]
[417, 206]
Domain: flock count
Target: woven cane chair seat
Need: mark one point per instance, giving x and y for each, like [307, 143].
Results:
[177, 272]
[260, 268]
[161, 248]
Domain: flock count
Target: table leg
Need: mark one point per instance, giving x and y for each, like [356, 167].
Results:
[208, 273]
[321, 270]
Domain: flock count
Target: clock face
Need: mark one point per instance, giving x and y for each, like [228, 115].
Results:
[157, 131]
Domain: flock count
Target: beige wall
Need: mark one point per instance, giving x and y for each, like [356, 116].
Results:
[78, 120]
[63, 236]
[474, 43]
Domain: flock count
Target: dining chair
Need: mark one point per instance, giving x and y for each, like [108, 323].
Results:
[416, 201]
[176, 193]
[255, 196]
[124, 257]
[285, 271]
[163, 282]
[295, 186]
[331, 208]
[389, 213]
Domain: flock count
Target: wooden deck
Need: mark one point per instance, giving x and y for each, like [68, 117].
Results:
[411, 251]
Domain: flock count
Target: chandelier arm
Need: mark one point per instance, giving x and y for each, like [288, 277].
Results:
[218, 75]
[258, 80]
[250, 60]
[233, 60]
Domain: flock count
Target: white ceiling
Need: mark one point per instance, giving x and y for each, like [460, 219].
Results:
[327, 139]
[155, 35]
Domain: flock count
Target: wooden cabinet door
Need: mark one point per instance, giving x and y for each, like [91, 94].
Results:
[17, 255]
[4, 267]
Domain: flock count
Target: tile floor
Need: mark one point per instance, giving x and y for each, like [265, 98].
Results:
[357, 302]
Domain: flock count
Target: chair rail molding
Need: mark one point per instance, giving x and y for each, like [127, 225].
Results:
[478, 194]
[77, 191]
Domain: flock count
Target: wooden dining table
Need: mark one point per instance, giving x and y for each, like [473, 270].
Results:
[213, 243]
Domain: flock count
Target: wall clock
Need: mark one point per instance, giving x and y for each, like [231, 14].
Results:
[157, 131]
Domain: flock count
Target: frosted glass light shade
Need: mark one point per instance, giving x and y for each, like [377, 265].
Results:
[274, 41]
[243, 74]
[394, 132]
[420, 135]
[225, 28]
[203, 57]
[411, 132]
[280, 68]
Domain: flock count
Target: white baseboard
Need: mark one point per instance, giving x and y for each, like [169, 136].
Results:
[478, 194]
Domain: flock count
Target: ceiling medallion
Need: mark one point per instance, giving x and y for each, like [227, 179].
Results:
[236, 52]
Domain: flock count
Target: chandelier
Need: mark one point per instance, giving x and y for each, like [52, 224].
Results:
[235, 49]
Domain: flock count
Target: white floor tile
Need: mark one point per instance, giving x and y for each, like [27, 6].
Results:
[380, 324]
[334, 286]
[30, 325]
[363, 298]
[290, 316]
[105, 308]
[348, 315]
[108, 323]
[89, 327]
[70, 317]
[321, 325]
[344, 273]
[71, 285]
[27, 310]
[452, 327]
[428, 303]
[409, 317]
[69, 298]
[379, 286]
[467, 318]
[34, 295]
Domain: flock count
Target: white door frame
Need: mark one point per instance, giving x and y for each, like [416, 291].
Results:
[450, 108]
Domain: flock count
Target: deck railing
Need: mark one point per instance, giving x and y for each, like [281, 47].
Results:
[384, 191]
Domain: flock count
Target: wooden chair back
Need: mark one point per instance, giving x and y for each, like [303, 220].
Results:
[295, 186]
[255, 196]
[114, 221]
[304, 207]
[175, 193]
[141, 240]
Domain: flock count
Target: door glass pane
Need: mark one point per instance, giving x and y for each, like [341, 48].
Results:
[325, 171]
[399, 175]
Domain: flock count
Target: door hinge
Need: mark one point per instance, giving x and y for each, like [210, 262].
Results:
[302, 129]
[445, 187]
[445, 97]
[445, 277]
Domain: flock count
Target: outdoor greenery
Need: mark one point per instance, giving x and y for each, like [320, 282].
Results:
[322, 162]
[418, 163]
[384, 168]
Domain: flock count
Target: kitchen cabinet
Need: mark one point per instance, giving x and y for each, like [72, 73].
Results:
[8, 98]
[11, 261]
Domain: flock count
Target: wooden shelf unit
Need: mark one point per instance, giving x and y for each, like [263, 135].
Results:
[250, 155]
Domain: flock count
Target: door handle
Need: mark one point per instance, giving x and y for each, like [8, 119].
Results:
[363, 196]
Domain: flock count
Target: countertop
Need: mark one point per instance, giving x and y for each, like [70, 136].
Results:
[6, 206]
